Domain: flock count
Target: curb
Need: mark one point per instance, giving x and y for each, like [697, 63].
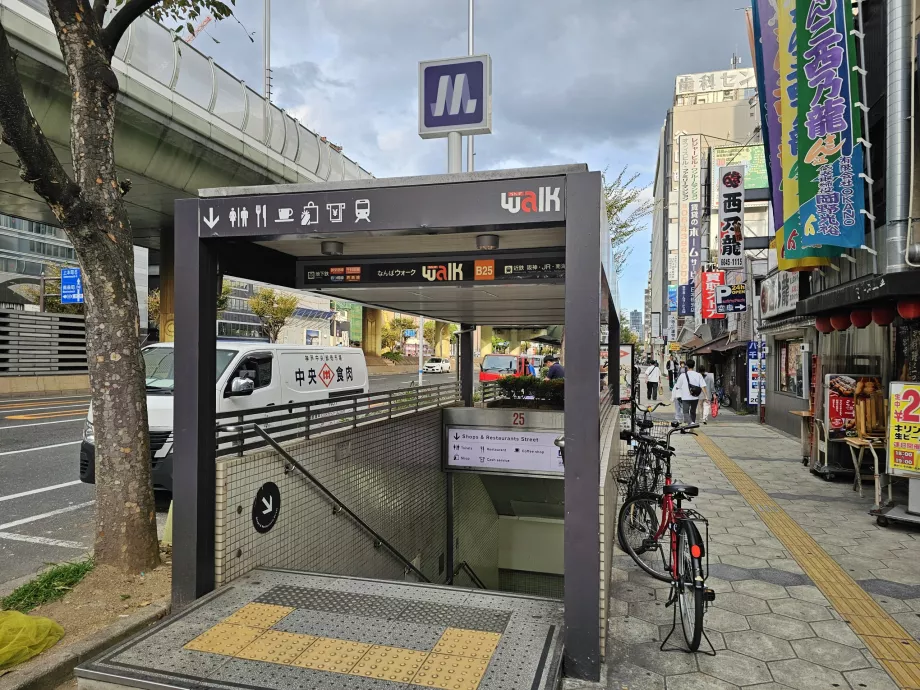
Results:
[49, 670]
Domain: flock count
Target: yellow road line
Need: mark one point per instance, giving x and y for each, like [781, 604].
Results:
[49, 415]
[890, 643]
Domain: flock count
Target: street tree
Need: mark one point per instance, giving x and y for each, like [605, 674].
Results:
[89, 205]
[626, 209]
[627, 335]
[273, 309]
[392, 333]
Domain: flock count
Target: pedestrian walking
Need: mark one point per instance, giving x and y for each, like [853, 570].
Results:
[689, 387]
[708, 391]
[670, 367]
[653, 377]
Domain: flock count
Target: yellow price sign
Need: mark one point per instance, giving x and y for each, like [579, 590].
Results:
[904, 429]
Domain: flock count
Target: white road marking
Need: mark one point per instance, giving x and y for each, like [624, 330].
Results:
[42, 540]
[63, 408]
[60, 421]
[29, 450]
[38, 491]
[5, 401]
[35, 518]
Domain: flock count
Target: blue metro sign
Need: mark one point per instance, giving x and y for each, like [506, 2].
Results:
[455, 95]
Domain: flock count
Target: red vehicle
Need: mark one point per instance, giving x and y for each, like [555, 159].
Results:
[494, 367]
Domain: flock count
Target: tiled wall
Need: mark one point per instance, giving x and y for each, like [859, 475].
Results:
[388, 473]
[475, 530]
[611, 447]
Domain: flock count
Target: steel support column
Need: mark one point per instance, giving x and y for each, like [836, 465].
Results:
[582, 425]
[465, 365]
[194, 409]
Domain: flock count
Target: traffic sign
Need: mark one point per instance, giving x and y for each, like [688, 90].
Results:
[71, 286]
[266, 507]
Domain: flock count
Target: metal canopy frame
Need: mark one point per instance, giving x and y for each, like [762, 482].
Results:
[209, 246]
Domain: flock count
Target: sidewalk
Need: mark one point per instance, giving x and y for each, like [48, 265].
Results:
[792, 559]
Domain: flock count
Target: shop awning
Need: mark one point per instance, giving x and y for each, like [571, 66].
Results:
[774, 326]
[860, 292]
[729, 345]
[710, 346]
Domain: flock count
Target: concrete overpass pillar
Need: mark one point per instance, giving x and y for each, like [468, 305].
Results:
[485, 340]
[373, 328]
[465, 367]
[167, 286]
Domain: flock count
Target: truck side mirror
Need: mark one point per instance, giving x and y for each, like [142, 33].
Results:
[240, 386]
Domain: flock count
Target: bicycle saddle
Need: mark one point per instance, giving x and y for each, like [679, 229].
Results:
[685, 489]
[645, 423]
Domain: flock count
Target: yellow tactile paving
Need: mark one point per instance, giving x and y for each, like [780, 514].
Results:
[277, 647]
[889, 643]
[261, 616]
[328, 654]
[469, 643]
[390, 663]
[225, 639]
[450, 672]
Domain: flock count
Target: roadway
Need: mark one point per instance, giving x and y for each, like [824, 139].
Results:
[46, 513]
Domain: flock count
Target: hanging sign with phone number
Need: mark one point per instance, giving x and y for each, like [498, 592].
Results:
[904, 429]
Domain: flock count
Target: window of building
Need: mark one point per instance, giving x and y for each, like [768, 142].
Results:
[791, 369]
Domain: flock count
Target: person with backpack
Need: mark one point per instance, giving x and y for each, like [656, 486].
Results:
[653, 377]
[689, 387]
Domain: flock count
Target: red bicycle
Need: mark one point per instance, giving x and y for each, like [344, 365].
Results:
[662, 537]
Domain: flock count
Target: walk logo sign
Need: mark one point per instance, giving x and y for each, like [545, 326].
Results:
[544, 200]
[455, 95]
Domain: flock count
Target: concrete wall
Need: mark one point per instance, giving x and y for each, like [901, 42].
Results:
[27, 386]
[387, 473]
[476, 530]
[611, 447]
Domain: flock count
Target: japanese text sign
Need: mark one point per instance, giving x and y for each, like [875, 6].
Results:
[688, 190]
[672, 298]
[685, 300]
[704, 82]
[71, 286]
[840, 394]
[731, 298]
[779, 293]
[731, 218]
[710, 281]
[904, 429]
[830, 159]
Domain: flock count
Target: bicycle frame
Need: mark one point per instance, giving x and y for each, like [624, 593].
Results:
[671, 513]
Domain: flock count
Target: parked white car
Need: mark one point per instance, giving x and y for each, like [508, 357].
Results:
[437, 365]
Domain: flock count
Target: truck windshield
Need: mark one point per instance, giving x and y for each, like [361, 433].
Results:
[159, 364]
[499, 363]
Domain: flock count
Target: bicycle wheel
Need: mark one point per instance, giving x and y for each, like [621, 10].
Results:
[637, 526]
[691, 584]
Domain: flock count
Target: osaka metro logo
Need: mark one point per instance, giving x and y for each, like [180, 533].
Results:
[456, 92]
[544, 200]
[453, 94]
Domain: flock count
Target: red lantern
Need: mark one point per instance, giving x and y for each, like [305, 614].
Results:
[883, 315]
[823, 324]
[840, 321]
[861, 317]
[909, 308]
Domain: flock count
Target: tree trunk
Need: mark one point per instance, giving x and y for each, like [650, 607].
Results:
[101, 235]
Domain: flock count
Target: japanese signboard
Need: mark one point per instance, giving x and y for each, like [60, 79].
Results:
[544, 267]
[840, 394]
[830, 158]
[766, 56]
[685, 300]
[672, 326]
[71, 286]
[723, 80]
[688, 191]
[904, 429]
[672, 266]
[731, 218]
[321, 371]
[751, 158]
[757, 366]
[731, 298]
[695, 245]
[656, 324]
[710, 280]
[779, 293]
[672, 298]
[504, 450]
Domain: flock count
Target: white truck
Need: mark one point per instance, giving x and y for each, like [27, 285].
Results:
[250, 375]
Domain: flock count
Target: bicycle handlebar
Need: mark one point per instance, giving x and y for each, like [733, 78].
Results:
[646, 410]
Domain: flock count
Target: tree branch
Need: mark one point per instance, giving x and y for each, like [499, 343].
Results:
[132, 10]
[99, 8]
[39, 165]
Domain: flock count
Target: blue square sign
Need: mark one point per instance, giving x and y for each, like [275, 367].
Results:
[71, 286]
[455, 96]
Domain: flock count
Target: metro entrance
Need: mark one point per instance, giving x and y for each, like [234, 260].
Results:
[497, 248]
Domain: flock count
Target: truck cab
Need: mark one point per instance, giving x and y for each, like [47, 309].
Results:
[494, 367]
[249, 376]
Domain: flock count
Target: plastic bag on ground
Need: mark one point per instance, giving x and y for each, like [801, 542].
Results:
[23, 637]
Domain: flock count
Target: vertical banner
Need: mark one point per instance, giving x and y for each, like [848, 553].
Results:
[672, 327]
[672, 267]
[685, 300]
[709, 281]
[656, 324]
[695, 245]
[831, 193]
[683, 209]
[672, 298]
[731, 218]
[766, 60]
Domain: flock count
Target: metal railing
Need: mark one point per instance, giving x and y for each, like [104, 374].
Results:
[302, 421]
[337, 505]
[41, 344]
[489, 392]
[465, 567]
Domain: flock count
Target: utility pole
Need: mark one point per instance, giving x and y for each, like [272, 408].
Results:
[470, 166]
[267, 51]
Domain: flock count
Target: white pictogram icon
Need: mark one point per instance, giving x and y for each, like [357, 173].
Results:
[285, 215]
[335, 212]
[363, 210]
[244, 216]
[310, 214]
[232, 216]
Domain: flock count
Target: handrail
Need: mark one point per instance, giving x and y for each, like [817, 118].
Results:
[463, 565]
[331, 496]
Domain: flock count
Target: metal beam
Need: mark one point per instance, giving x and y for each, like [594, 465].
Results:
[582, 425]
[194, 409]
[466, 364]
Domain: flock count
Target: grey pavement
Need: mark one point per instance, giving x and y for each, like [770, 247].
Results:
[46, 513]
[770, 625]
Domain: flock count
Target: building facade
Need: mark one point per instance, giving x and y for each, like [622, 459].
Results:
[635, 321]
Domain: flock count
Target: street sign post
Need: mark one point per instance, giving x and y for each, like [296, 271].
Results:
[71, 286]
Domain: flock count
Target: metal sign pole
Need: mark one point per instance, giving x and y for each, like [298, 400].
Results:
[469, 140]
[421, 346]
[454, 152]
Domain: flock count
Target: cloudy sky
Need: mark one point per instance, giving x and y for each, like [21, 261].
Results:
[574, 81]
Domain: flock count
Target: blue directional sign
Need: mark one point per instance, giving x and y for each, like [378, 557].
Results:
[455, 95]
[71, 286]
[409, 333]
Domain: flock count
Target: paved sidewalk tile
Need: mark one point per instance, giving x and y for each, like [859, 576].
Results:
[774, 626]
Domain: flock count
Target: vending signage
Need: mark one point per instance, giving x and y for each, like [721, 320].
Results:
[840, 394]
[904, 429]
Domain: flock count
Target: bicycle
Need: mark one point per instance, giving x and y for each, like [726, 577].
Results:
[723, 397]
[640, 471]
[645, 519]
